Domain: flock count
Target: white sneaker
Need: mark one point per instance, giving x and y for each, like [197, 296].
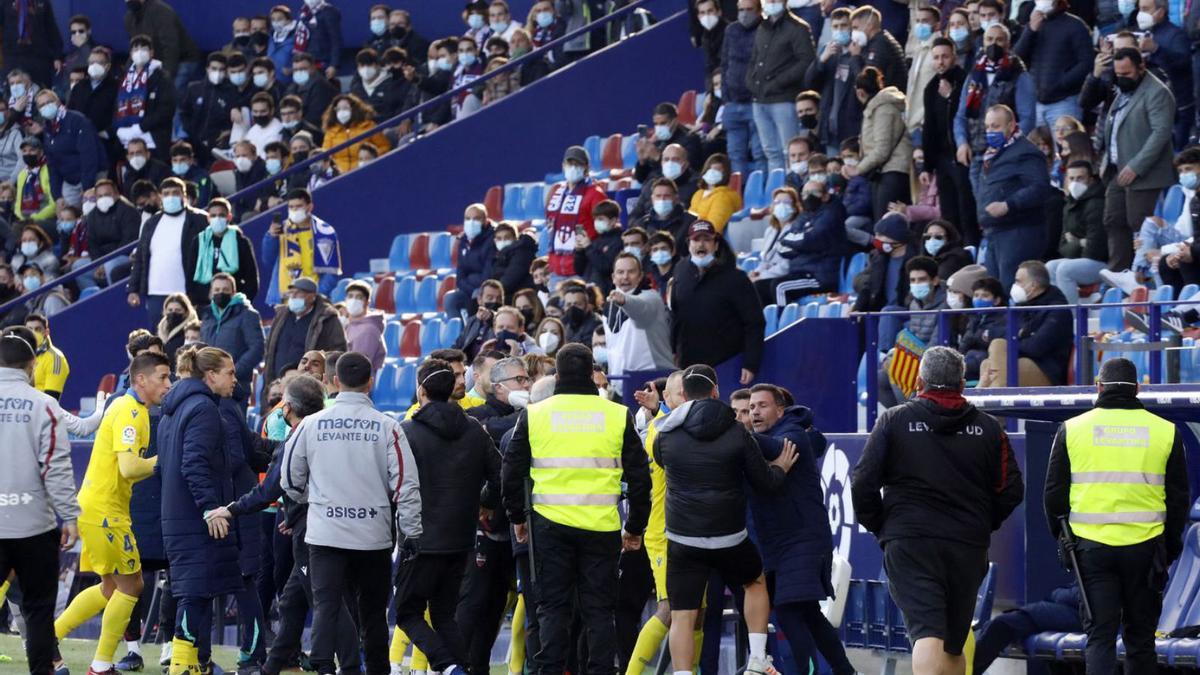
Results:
[165, 658]
[760, 667]
[1126, 280]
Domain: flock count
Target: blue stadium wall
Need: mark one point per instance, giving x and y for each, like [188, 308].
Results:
[426, 185]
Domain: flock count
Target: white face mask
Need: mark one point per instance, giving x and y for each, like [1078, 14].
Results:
[858, 37]
[137, 162]
[1145, 20]
[1076, 189]
[105, 203]
[1044, 6]
[713, 177]
[96, 71]
[243, 164]
[954, 300]
[297, 215]
[518, 399]
[140, 57]
[367, 73]
[1017, 293]
[355, 306]
[216, 76]
[343, 115]
[709, 21]
[671, 169]
[548, 341]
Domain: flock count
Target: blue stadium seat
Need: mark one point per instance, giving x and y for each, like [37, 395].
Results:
[398, 256]
[406, 295]
[1188, 291]
[986, 594]
[972, 250]
[629, 151]
[1112, 319]
[425, 298]
[544, 242]
[832, 310]
[771, 315]
[982, 255]
[406, 385]
[775, 180]
[812, 310]
[441, 246]
[431, 335]
[789, 315]
[514, 194]
[384, 393]
[89, 292]
[594, 146]
[391, 337]
[858, 263]
[626, 199]
[534, 206]
[752, 194]
[339, 291]
[450, 332]
[1163, 293]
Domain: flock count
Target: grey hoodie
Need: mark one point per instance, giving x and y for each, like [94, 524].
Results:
[350, 462]
[37, 480]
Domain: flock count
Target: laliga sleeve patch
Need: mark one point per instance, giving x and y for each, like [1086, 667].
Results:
[129, 435]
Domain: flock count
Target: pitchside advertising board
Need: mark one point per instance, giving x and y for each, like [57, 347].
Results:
[852, 541]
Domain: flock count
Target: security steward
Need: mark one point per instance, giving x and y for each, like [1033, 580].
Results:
[1118, 473]
[576, 448]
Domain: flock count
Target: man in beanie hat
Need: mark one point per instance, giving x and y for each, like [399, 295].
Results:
[569, 210]
[884, 283]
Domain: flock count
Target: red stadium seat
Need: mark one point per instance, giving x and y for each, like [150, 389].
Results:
[735, 182]
[687, 107]
[410, 340]
[385, 292]
[418, 252]
[108, 383]
[448, 284]
[610, 154]
[494, 201]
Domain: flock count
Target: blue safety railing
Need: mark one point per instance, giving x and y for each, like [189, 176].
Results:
[410, 114]
[1080, 313]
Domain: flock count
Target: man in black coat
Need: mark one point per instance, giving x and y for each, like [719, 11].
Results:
[205, 107]
[1044, 339]
[96, 97]
[881, 49]
[667, 131]
[113, 224]
[314, 90]
[676, 166]
[456, 458]
[937, 138]
[31, 39]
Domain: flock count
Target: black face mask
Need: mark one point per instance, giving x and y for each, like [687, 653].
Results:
[808, 121]
[300, 156]
[919, 166]
[221, 300]
[174, 319]
[995, 52]
[491, 306]
[506, 335]
[398, 32]
[527, 314]
[31, 160]
[813, 203]
[1127, 84]
[573, 315]
[262, 120]
[150, 208]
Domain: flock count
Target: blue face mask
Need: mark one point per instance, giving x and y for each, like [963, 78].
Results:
[919, 291]
[959, 34]
[472, 228]
[703, 261]
[172, 204]
[600, 354]
[300, 77]
[981, 303]
[31, 283]
[295, 305]
[66, 226]
[924, 31]
[996, 139]
[842, 37]
[218, 225]
[634, 250]
[1126, 7]
[274, 165]
[1189, 180]
[179, 168]
[378, 26]
[932, 246]
[544, 19]
[660, 257]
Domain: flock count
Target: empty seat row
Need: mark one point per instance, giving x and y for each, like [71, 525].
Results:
[422, 251]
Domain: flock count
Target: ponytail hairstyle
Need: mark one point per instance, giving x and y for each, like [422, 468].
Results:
[195, 361]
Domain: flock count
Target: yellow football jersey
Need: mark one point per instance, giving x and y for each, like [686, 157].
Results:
[51, 369]
[466, 403]
[104, 496]
[656, 526]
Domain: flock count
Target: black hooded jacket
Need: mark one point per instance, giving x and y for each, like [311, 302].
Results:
[944, 472]
[708, 458]
[455, 459]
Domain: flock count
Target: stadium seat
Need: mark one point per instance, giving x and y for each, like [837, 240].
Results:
[775, 180]
[418, 252]
[543, 241]
[398, 255]
[514, 196]
[735, 182]
[752, 192]
[701, 100]
[391, 338]
[762, 199]
[89, 292]
[440, 244]
[610, 154]
[534, 206]
[445, 286]
[594, 145]
[384, 393]
[985, 595]
[410, 340]
[493, 201]
[1163, 293]
[789, 316]
[972, 251]
[858, 263]
[339, 291]
[626, 199]
[406, 385]
[384, 297]
[771, 315]
[854, 619]
[450, 332]
[108, 383]
[812, 310]
[405, 295]
[687, 108]
[426, 297]
[1112, 319]
[431, 335]
[1188, 291]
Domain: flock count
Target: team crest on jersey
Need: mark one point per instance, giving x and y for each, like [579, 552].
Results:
[129, 435]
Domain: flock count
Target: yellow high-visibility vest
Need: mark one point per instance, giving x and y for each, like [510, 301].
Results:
[1118, 474]
[575, 446]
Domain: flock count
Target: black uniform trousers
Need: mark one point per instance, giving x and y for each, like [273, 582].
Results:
[35, 562]
[489, 577]
[528, 590]
[334, 572]
[1125, 595]
[572, 565]
[432, 580]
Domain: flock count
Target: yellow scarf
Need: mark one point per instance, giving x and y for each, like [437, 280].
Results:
[295, 254]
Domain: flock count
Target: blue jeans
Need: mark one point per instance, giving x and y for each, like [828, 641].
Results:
[1008, 247]
[741, 139]
[187, 73]
[1068, 274]
[1047, 113]
[777, 124]
[813, 17]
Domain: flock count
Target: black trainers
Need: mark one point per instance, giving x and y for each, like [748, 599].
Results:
[1173, 321]
[131, 662]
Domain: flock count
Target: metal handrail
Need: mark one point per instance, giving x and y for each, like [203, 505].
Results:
[304, 165]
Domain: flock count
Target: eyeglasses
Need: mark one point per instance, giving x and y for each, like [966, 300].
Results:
[521, 379]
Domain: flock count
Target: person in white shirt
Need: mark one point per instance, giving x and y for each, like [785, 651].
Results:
[159, 267]
[636, 325]
[500, 21]
[262, 128]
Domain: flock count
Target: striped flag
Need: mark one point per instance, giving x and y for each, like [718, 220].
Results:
[906, 361]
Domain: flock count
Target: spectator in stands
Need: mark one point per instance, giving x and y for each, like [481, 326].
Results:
[35, 185]
[11, 137]
[302, 246]
[1135, 159]
[527, 302]
[550, 334]
[282, 43]
[941, 241]
[666, 131]
[475, 16]
[21, 90]
[320, 34]
[364, 330]
[919, 52]
[926, 292]
[714, 200]
[146, 98]
[1044, 339]
[737, 117]
[772, 266]
[380, 39]
[206, 106]
[941, 98]
[306, 323]
[374, 85]
[113, 224]
[477, 328]
[500, 20]
[569, 207]
[783, 51]
[883, 283]
[443, 60]
[145, 197]
[579, 312]
[1059, 63]
[222, 247]
[635, 242]
[886, 148]
[176, 50]
[833, 75]
[1013, 186]
[709, 291]
[468, 68]
[262, 77]
[347, 118]
[177, 313]
[958, 29]
[514, 253]
[813, 245]
[661, 261]
[249, 170]
[230, 322]
[502, 85]
[65, 230]
[666, 214]
[291, 116]
[476, 254]
[594, 259]
[636, 324]
[241, 36]
[808, 116]
[508, 396]
[31, 40]
[508, 334]
[879, 46]
[1084, 244]
[262, 128]
[676, 166]
[981, 328]
[712, 34]
[1172, 223]
[160, 266]
[183, 165]
[80, 31]
[47, 304]
[239, 78]
[1167, 47]
[138, 166]
[309, 83]
[37, 247]
[798, 150]
[997, 78]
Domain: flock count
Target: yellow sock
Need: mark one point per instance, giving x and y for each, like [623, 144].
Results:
[419, 660]
[112, 625]
[698, 643]
[969, 652]
[185, 658]
[516, 658]
[649, 641]
[88, 603]
[399, 645]
[4, 591]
